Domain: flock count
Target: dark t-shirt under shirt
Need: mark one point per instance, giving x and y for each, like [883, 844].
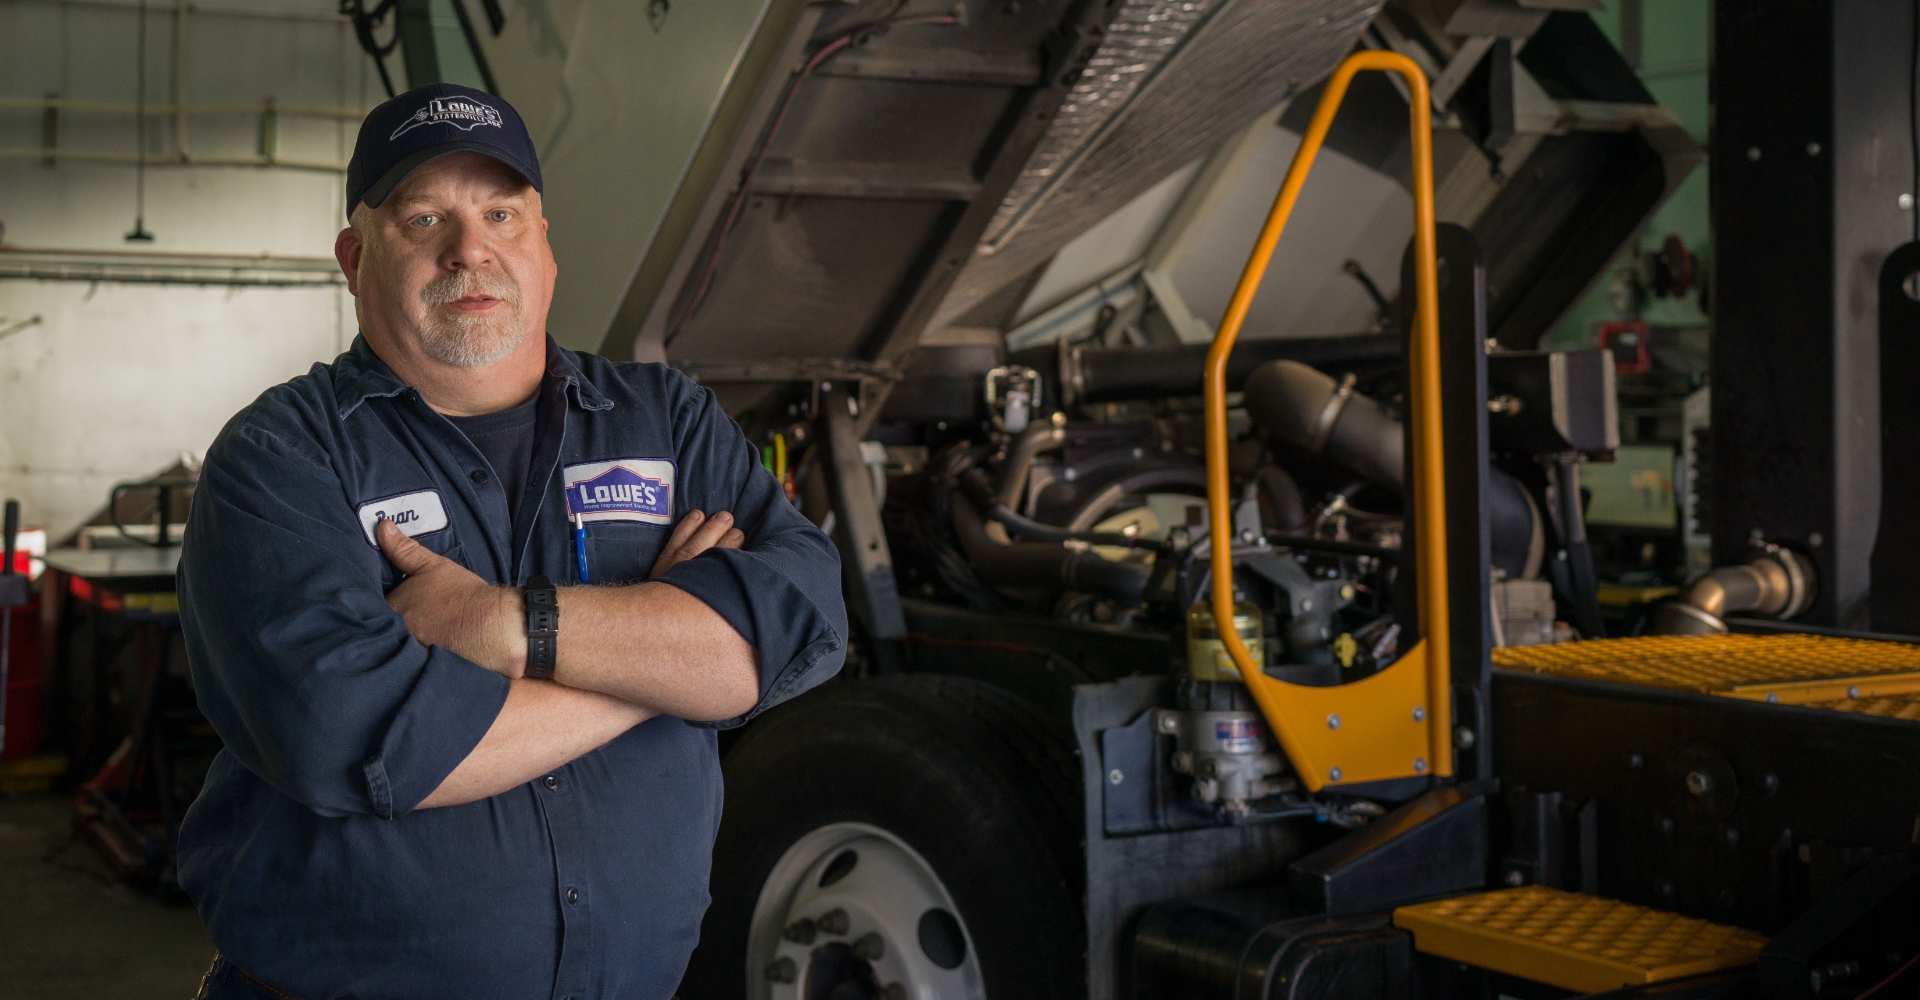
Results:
[506, 439]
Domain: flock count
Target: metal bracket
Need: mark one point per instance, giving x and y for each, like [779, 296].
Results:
[864, 556]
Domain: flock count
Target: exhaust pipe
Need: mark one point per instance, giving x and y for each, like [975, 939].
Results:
[1777, 583]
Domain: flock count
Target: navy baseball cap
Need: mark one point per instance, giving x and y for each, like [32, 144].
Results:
[429, 122]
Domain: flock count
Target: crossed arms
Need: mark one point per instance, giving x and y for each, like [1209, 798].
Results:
[697, 667]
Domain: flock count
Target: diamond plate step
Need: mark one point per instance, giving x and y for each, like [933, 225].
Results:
[1820, 671]
[1574, 941]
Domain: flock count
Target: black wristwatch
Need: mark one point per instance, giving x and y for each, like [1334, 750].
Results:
[543, 627]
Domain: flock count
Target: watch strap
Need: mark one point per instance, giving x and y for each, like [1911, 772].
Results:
[543, 627]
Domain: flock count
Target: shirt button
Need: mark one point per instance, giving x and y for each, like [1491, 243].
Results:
[573, 895]
[552, 782]
[478, 475]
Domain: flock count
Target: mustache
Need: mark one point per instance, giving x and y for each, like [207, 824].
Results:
[460, 284]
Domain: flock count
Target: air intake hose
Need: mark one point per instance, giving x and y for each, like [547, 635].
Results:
[1306, 407]
[1030, 564]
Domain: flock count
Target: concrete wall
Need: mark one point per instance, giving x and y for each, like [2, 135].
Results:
[117, 380]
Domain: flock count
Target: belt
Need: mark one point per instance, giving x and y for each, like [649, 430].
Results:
[220, 964]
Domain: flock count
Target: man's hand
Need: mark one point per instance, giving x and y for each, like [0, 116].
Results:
[696, 533]
[446, 605]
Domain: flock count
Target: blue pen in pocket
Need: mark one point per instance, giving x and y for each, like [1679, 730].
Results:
[580, 544]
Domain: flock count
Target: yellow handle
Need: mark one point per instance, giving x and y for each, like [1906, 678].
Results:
[1429, 500]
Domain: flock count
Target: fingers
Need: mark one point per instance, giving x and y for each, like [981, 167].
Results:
[684, 530]
[696, 533]
[406, 555]
[707, 534]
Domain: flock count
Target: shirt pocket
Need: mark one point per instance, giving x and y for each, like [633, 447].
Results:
[622, 552]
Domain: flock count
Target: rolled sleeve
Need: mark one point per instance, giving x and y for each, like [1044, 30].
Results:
[781, 589]
[312, 681]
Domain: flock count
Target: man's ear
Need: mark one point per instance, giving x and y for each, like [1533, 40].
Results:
[347, 249]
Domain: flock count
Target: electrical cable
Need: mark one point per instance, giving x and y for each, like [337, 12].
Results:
[140, 234]
[745, 191]
[1884, 983]
[364, 21]
[1332, 545]
[978, 489]
[473, 46]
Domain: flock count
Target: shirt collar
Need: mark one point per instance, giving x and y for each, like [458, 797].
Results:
[360, 375]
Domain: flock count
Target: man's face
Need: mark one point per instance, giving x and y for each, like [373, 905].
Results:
[454, 264]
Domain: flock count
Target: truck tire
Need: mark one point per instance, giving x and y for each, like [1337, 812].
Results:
[907, 836]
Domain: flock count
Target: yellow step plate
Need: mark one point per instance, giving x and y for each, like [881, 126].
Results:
[1574, 941]
[1791, 669]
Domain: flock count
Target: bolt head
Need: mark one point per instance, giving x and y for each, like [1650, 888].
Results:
[1753, 153]
[1906, 202]
[783, 970]
[1419, 765]
[1853, 691]
[1419, 714]
[1515, 878]
[870, 947]
[1699, 783]
[800, 931]
[1114, 777]
[834, 921]
[1665, 825]
[1333, 775]
[1333, 722]
[1635, 762]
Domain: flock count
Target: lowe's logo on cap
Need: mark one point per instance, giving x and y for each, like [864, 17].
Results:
[626, 489]
[463, 113]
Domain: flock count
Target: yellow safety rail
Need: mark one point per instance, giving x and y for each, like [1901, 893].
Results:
[1398, 722]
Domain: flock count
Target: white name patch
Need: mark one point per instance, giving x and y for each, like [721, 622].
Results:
[625, 489]
[414, 514]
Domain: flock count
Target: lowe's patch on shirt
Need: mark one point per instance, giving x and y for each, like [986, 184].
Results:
[625, 489]
[414, 514]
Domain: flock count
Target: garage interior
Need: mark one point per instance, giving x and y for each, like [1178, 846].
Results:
[1550, 466]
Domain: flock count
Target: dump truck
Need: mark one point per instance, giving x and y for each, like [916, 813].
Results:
[1187, 662]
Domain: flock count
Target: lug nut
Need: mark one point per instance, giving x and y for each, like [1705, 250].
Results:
[783, 971]
[1700, 783]
[869, 948]
[834, 922]
[800, 931]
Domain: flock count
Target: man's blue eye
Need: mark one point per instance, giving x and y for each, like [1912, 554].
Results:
[426, 220]
[501, 216]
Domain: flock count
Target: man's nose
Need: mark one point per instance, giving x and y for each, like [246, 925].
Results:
[467, 247]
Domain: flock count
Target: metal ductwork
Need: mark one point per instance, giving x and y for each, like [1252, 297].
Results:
[1777, 583]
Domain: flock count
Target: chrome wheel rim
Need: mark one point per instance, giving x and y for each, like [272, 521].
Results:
[850, 912]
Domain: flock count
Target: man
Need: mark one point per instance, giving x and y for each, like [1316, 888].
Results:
[426, 791]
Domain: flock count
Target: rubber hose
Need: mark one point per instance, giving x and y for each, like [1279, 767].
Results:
[1306, 407]
[1023, 564]
[1289, 507]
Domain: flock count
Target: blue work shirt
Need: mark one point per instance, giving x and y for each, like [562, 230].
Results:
[304, 852]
